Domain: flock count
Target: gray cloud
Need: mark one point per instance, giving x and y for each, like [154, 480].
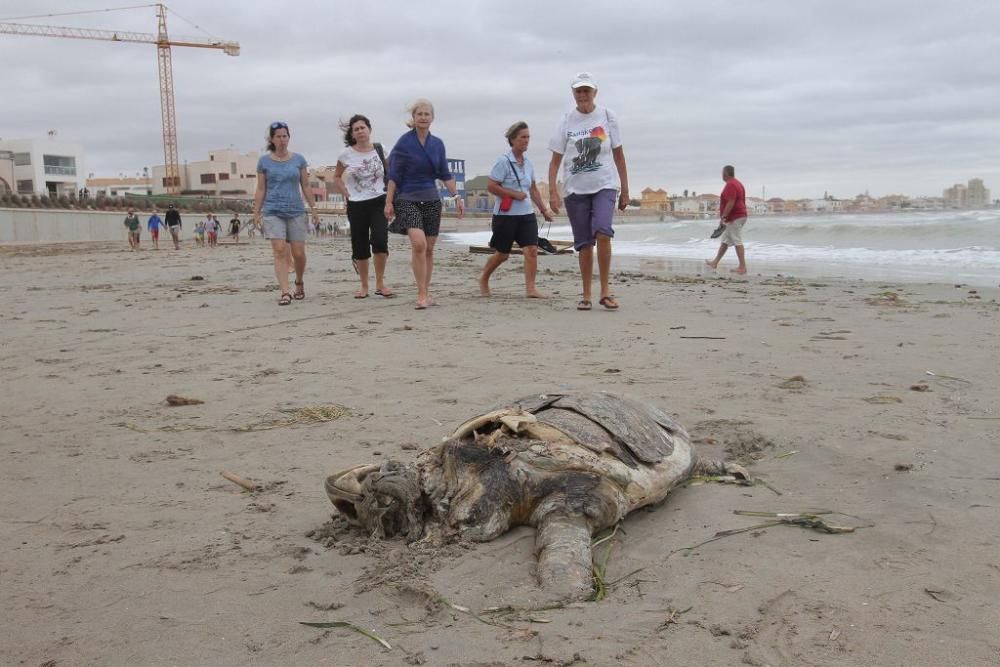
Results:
[804, 97]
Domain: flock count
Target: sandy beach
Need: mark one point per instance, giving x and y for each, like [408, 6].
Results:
[124, 545]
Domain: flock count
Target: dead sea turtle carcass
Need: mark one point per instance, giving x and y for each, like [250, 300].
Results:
[569, 464]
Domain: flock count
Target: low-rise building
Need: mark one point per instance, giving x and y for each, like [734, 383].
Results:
[48, 166]
[477, 197]
[225, 172]
[117, 187]
[654, 201]
[756, 206]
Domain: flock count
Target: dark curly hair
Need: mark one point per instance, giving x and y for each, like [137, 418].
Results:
[346, 127]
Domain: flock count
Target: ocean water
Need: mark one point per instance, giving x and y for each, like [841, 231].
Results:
[932, 246]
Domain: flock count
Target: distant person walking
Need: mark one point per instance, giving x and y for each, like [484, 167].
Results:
[282, 189]
[360, 177]
[211, 230]
[153, 225]
[234, 227]
[512, 182]
[133, 225]
[733, 215]
[199, 232]
[590, 137]
[412, 200]
[173, 220]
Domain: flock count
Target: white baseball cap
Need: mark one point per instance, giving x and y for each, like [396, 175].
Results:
[584, 80]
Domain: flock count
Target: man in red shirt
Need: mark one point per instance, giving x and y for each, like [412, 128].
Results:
[733, 214]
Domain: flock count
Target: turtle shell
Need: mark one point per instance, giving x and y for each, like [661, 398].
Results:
[603, 422]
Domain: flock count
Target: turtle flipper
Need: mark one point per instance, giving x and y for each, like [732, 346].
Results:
[565, 561]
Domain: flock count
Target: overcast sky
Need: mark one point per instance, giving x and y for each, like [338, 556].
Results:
[802, 96]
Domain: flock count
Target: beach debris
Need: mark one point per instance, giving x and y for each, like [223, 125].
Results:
[197, 277]
[672, 617]
[882, 399]
[887, 298]
[347, 624]
[612, 370]
[947, 377]
[175, 400]
[942, 595]
[807, 519]
[834, 635]
[903, 467]
[240, 481]
[785, 455]
[568, 464]
[794, 383]
[729, 588]
[920, 386]
[312, 414]
[704, 337]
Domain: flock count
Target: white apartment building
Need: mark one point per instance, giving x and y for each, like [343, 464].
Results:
[824, 205]
[47, 166]
[6, 172]
[225, 172]
[977, 195]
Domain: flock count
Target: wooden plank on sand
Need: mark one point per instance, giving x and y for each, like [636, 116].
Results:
[562, 248]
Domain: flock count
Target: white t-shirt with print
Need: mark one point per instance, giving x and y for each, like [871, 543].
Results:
[585, 141]
[363, 174]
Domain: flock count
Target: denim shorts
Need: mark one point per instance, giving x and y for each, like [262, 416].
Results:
[292, 230]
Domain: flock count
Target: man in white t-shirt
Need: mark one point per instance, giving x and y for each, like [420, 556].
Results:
[594, 169]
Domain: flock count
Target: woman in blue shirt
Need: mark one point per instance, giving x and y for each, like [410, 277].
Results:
[416, 161]
[282, 185]
[512, 182]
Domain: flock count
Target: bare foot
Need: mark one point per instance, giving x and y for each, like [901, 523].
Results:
[740, 270]
[710, 264]
[484, 289]
[534, 294]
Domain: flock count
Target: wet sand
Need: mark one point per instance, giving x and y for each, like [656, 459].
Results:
[124, 545]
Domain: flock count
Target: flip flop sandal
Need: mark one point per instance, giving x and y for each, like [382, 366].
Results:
[387, 295]
[420, 306]
[300, 290]
[608, 303]
[584, 305]
[360, 296]
[285, 299]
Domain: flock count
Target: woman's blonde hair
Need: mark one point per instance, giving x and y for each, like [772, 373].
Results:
[514, 130]
[421, 102]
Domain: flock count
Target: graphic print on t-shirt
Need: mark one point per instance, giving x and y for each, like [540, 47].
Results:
[588, 148]
[367, 176]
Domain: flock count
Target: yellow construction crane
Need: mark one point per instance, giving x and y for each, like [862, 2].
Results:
[172, 180]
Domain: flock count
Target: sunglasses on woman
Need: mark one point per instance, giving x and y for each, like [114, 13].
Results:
[277, 125]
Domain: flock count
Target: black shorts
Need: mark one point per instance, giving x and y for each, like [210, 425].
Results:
[510, 228]
[369, 230]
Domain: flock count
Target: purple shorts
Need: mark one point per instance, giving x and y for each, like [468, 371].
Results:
[590, 215]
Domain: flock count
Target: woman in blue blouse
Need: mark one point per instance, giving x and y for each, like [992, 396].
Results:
[416, 161]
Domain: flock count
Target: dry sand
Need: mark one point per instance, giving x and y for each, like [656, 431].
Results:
[123, 545]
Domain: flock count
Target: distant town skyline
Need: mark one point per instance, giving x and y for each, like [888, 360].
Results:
[801, 97]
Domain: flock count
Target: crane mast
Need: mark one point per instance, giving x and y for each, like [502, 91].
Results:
[171, 163]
